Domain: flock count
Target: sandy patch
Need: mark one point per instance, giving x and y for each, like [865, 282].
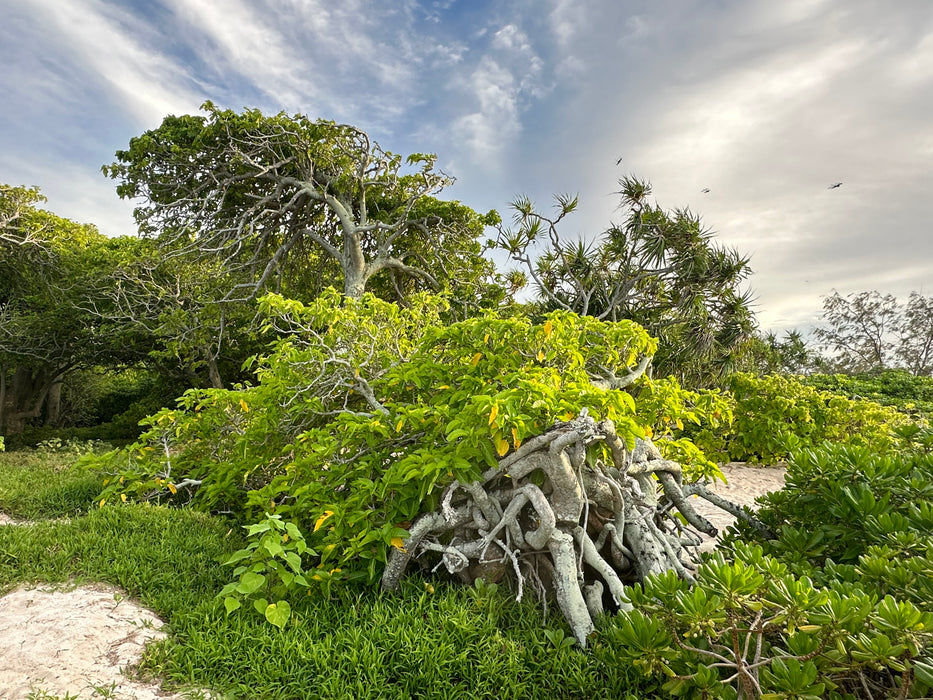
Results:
[74, 641]
[746, 483]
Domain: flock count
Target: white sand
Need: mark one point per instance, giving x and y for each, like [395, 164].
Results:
[74, 641]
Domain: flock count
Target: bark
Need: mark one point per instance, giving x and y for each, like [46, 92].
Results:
[53, 403]
[593, 527]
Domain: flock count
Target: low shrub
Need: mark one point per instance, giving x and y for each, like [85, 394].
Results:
[838, 605]
[777, 415]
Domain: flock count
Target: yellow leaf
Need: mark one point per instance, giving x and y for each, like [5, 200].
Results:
[397, 542]
[548, 327]
[515, 440]
[335, 571]
[171, 487]
[486, 339]
[475, 359]
[320, 521]
[502, 446]
[679, 423]
[121, 479]
[106, 481]
[123, 497]
[284, 537]
[648, 431]
[102, 502]
[244, 405]
[401, 422]
[493, 413]
[568, 415]
[540, 355]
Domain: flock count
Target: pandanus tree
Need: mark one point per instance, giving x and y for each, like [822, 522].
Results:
[661, 269]
[492, 448]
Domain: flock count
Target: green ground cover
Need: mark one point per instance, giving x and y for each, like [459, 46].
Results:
[452, 642]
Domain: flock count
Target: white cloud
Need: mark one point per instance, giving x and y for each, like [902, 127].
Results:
[249, 46]
[497, 120]
[148, 82]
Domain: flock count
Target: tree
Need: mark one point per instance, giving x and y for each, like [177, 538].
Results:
[261, 193]
[492, 447]
[915, 335]
[49, 269]
[769, 354]
[868, 332]
[660, 269]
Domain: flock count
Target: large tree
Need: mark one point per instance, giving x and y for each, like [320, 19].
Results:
[260, 193]
[51, 270]
[661, 269]
[870, 331]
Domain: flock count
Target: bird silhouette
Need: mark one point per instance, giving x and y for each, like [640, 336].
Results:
[834, 185]
[705, 190]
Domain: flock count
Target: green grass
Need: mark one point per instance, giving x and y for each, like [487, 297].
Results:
[40, 484]
[455, 642]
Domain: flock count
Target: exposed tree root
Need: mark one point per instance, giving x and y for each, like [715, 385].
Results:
[579, 530]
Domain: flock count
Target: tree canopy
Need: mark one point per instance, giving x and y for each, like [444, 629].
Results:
[51, 273]
[660, 269]
[870, 331]
[261, 193]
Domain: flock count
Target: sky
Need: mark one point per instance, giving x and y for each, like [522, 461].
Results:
[764, 104]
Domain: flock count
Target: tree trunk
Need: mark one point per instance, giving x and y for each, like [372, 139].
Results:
[213, 372]
[26, 395]
[53, 403]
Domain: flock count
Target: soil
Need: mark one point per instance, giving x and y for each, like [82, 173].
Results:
[87, 640]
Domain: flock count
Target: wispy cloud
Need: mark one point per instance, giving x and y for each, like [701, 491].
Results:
[105, 41]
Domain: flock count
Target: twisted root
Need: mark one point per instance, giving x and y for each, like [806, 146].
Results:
[591, 528]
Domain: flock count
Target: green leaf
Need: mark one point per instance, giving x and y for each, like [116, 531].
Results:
[250, 582]
[231, 604]
[278, 613]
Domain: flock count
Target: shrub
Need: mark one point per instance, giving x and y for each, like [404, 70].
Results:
[365, 411]
[776, 415]
[839, 604]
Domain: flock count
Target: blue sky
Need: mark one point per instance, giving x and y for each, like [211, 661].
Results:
[764, 103]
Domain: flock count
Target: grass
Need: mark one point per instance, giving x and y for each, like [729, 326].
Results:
[455, 642]
[42, 484]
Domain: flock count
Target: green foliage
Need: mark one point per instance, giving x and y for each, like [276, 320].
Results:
[852, 514]
[777, 415]
[364, 411]
[841, 597]
[908, 393]
[271, 563]
[750, 624]
[671, 413]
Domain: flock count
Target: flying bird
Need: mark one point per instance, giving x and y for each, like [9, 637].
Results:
[834, 185]
[619, 161]
[705, 190]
